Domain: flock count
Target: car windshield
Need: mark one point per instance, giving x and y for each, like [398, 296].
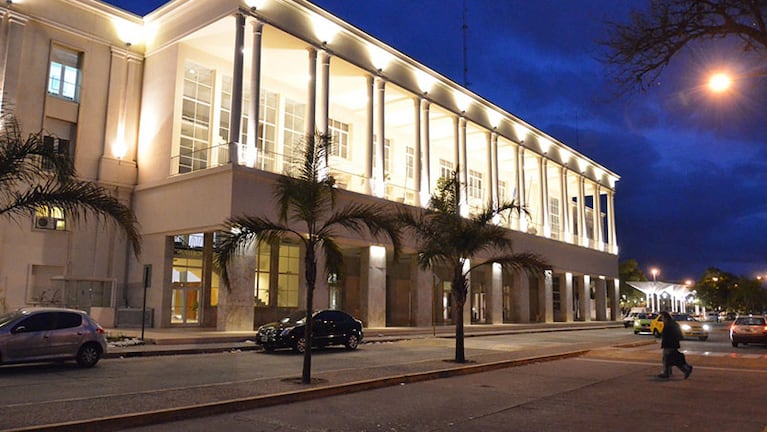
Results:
[8, 317]
[754, 321]
[296, 317]
[683, 318]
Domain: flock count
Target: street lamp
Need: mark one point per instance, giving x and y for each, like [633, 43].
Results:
[719, 82]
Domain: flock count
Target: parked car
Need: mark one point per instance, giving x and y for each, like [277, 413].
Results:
[50, 334]
[628, 320]
[748, 329]
[690, 327]
[642, 322]
[329, 327]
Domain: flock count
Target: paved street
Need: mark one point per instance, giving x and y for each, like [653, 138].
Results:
[580, 394]
[198, 384]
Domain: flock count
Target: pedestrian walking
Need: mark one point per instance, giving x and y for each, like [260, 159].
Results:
[670, 338]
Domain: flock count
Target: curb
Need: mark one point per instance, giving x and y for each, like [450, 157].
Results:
[243, 404]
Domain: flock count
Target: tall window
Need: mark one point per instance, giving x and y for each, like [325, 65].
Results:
[267, 128]
[263, 260]
[554, 217]
[387, 159]
[288, 276]
[475, 184]
[195, 118]
[340, 133]
[64, 74]
[409, 162]
[445, 168]
[226, 111]
[502, 197]
[293, 131]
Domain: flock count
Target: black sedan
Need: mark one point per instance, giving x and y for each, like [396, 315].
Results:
[329, 327]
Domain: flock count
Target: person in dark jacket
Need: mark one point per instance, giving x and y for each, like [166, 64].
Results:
[670, 338]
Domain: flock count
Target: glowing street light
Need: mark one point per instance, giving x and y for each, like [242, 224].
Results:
[719, 82]
[654, 273]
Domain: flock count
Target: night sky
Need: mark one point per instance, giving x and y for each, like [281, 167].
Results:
[693, 165]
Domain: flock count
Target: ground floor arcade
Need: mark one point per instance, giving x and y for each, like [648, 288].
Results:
[268, 284]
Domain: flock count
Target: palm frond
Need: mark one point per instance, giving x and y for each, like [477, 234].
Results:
[239, 233]
[531, 263]
[362, 218]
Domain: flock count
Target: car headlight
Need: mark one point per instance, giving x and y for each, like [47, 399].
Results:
[686, 327]
[706, 327]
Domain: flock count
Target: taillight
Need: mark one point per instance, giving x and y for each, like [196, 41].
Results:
[99, 329]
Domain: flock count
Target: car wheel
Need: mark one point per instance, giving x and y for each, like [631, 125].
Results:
[734, 344]
[300, 346]
[656, 333]
[703, 338]
[88, 355]
[352, 342]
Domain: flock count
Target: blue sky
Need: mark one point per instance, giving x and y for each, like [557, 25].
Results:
[693, 166]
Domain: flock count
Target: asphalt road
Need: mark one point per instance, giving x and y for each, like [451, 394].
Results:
[579, 394]
[44, 394]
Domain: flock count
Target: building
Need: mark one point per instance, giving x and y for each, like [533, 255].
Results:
[148, 106]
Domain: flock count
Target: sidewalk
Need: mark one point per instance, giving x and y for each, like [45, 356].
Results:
[172, 341]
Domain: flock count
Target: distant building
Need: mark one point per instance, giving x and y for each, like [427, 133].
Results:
[162, 111]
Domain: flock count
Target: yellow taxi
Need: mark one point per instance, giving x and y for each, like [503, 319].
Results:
[691, 328]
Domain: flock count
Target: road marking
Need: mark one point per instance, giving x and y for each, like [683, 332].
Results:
[649, 363]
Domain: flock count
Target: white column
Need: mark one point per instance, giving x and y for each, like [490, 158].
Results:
[583, 238]
[254, 114]
[311, 94]
[598, 231]
[324, 103]
[615, 313]
[463, 164]
[235, 115]
[494, 167]
[521, 186]
[235, 303]
[10, 58]
[613, 239]
[600, 297]
[521, 297]
[489, 190]
[547, 297]
[544, 179]
[496, 295]
[380, 187]
[417, 150]
[566, 298]
[422, 282]
[584, 295]
[426, 160]
[370, 188]
[565, 205]
[373, 286]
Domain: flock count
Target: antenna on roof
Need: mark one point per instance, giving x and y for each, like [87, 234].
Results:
[465, 29]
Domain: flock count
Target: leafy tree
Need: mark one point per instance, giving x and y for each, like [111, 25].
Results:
[714, 287]
[639, 51]
[306, 209]
[446, 238]
[747, 295]
[33, 175]
[629, 270]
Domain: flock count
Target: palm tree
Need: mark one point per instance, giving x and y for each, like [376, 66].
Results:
[34, 175]
[446, 238]
[306, 210]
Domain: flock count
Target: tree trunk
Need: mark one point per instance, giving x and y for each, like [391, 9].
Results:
[311, 277]
[459, 295]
